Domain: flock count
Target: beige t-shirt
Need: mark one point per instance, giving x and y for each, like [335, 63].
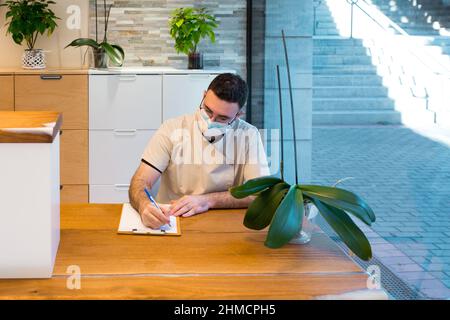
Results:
[190, 165]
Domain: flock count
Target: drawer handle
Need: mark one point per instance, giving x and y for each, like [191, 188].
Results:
[125, 132]
[51, 76]
[199, 77]
[121, 187]
[127, 77]
[61, 187]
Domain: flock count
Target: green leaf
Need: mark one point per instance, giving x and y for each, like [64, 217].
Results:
[17, 37]
[260, 212]
[253, 186]
[346, 229]
[113, 54]
[287, 220]
[341, 199]
[83, 42]
[121, 51]
[179, 23]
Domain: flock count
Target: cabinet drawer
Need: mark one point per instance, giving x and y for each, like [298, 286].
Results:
[74, 193]
[74, 157]
[7, 93]
[113, 193]
[114, 155]
[63, 93]
[183, 93]
[125, 101]
[108, 193]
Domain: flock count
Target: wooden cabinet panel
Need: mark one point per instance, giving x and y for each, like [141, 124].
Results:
[74, 194]
[6, 93]
[74, 157]
[63, 93]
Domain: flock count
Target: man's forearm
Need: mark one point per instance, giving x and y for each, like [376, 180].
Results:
[224, 200]
[136, 193]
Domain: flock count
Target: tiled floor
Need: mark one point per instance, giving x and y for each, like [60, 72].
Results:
[405, 177]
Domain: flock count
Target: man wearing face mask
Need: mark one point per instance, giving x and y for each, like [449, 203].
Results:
[200, 156]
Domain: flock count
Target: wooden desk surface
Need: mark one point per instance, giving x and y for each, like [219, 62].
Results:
[29, 126]
[216, 257]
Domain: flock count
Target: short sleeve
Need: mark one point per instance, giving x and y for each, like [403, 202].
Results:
[158, 150]
[256, 164]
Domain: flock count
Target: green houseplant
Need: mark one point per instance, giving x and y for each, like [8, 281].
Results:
[26, 20]
[188, 26]
[281, 206]
[102, 50]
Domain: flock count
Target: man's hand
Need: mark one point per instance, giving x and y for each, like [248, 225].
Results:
[152, 217]
[188, 206]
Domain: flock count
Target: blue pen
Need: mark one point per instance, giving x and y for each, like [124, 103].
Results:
[153, 201]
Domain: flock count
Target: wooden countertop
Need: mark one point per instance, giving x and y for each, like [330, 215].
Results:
[21, 71]
[29, 126]
[216, 257]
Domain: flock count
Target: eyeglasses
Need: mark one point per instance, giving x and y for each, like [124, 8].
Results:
[220, 119]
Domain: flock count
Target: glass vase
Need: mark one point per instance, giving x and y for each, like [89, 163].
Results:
[308, 225]
[195, 60]
[100, 58]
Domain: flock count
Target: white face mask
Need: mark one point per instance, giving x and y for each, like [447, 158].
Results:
[210, 128]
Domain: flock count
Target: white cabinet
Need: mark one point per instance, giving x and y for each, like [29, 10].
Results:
[117, 193]
[125, 101]
[182, 93]
[29, 193]
[115, 155]
[126, 106]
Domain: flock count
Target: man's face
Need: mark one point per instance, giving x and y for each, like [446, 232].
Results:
[219, 110]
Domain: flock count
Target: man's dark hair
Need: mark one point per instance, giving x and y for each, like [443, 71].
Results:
[230, 88]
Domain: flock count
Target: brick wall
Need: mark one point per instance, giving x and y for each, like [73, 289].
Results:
[141, 28]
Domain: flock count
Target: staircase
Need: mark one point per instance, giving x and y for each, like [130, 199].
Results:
[346, 87]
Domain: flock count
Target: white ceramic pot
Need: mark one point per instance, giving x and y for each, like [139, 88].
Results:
[33, 59]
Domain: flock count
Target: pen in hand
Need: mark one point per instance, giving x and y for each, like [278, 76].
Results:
[154, 202]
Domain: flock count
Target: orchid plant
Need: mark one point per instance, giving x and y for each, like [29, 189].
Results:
[280, 205]
[115, 53]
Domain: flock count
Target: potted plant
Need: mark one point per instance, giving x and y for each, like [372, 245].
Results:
[188, 26]
[282, 206]
[26, 20]
[103, 50]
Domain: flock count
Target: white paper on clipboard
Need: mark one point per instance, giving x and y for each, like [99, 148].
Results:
[131, 223]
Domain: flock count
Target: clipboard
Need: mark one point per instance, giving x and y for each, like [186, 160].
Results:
[131, 223]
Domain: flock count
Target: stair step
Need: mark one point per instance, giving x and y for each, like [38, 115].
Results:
[337, 42]
[340, 50]
[349, 104]
[341, 92]
[327, 32]
[348, 69]
[346, 80]
[355, 117]
[322, 24]
[342, 59]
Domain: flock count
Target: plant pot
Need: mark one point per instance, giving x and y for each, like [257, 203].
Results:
[33, 59]
[308, 225]
[195, 60]
[100, 58]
